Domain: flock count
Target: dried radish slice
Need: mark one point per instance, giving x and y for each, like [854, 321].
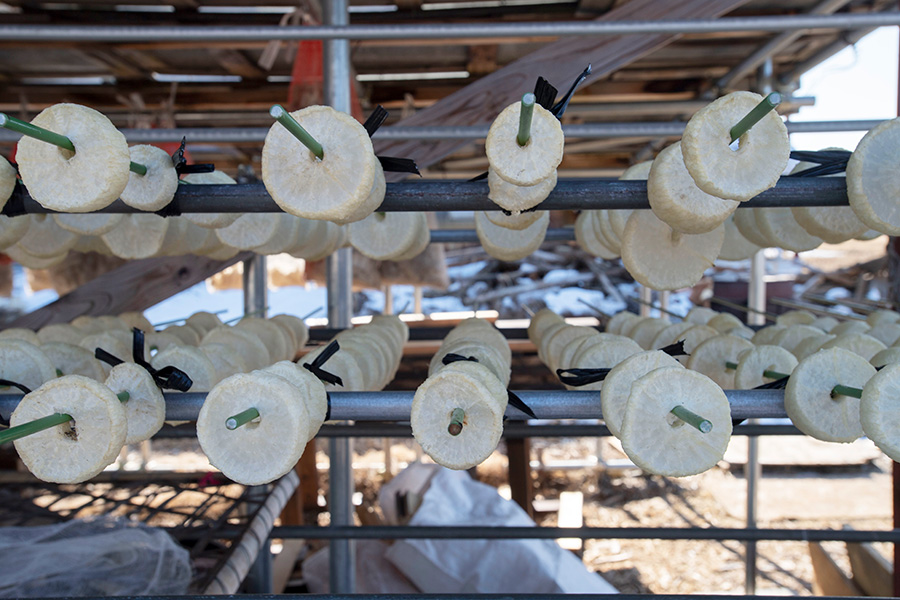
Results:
[20, 333]
[663, 259]
[604, 231]
[88, 180]
[617, 385]
[192, 361]
[676, 199]
[794, 334]
[710, 356]
[210, 220]
[882, 316]
[332, 188]
[543, 319]
[485, 355]
[46, 239]
[879, 413]
[753, 364]
[621, 321]
[342, 364]
[88, 224]
[745, 222]
[386, 236]
[873, 181]
[145, 409]
[227, 360]
[808, 397]
[7, 181]
[850, 327]
[188, 335]
[460, 385]
[768, 335]
[271, 335]
[604, 354]
[251, 230]
[137, 236]
[553, 345]
[74, 360]
[619, 217]
[886, 333]
[507, 244]
[858, 343]
[659, 442]
[203, 321]
[512, 221]
[722, 322]
[518, 198]
[700, 315]
[778, 224]
[295, 324]
[373, 200]
[670, 334]
[60, 332]
[264, 449]
[419, 246]
[736, 246]
[810, 345]
[314, 395]
[535, 161]
[155, 189]
[826, 324]
[795, 317]
[646, 331]
[25, 363]
[587, 238]
[79, 449]
[761, 158]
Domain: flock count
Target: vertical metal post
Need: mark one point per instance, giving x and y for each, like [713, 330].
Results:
[339, 273]
[646, 296]
[417, 300]
[388, 299]
[756, 299]
[664, 304]
[259, 578]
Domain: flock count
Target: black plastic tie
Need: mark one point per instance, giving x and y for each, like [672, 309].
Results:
[168, 377]
[19, 386]
[375, 120]
[560, 107]
[316, 366]
[517, 402]
[580, 377]
[452, 358]
[676, 349]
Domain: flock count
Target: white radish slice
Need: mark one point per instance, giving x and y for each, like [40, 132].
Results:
[882, 316]
[512, 221]
[311, 239]
[13, 229]
[659, 442]
[86, 324]
[507, 244]
[332, 241]
[742, 332]
[145, 409]
[227, 360]
[670, 334]
[90, 243]
[795, 317]
[778, 224]
[886, 333]
[879, 413]
[485, 355]
[646, 331]
[850, 327]
[342, 364]
[761, 158]
[155, 189]
[790, 337]
[567, 355]
[33, 262]
[45, 238]
[661, 258]
[423, 238]
[284, 237]
[137, 236]
[745, 222]
[295, 324]
[190, 360]
[7, 181]
[386, 236]
[517, 198]
[710, 356]
[25, 364]
[252, 349]
[188, 335]
[271, 335]
[617, 385]
[373, 200]
[486, 333]
[693, 337]
[396, 323]
[251, 230]
[811, 345]
[587, 238]
[60, 332]
[834, 224]
[535, 161]
[20, 333]
[736, 246]
[808, 397]
[265, 448]
[88, 224]
[372, 366]
[768, 335]
[210, 220]
[619, 217]
[858, 343]
[88, 180]
[175, 242]
[460, 385]
[74, 360]
[157, 341]
[700, 315]
[603, 355]
[542, 320]
[753, 364]
[554, 344]
[109, 342]
[314, 395]
[676, 199]
[886, 357]
[79, 449]
[722, 322]
[604, 231]
[331, 188]
[621, 321]
[873, 182]
[203, 321]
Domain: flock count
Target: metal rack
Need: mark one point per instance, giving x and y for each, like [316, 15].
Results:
[444, 195]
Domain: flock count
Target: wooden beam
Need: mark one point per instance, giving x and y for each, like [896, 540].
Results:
[236, 63]
[479, 102]
[137, 285]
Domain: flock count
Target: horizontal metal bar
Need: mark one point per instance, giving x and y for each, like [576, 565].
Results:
[395, 405]
[462, 236]
[431, 195]
[207, 135]
[467, 596]
[391, 532]
[511, 430]
[85, 33]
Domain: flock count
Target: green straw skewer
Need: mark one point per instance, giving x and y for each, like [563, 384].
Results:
[242, 418]
[526, 112]
[456, 421]
[280, 114]
[25, 429]
[693, 419]
[45, 135]
[845, 390]
[755, 116]
[766, 373]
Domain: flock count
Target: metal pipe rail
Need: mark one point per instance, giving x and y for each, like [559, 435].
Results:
[392, 532]
[431, 195]
[200, 34]
[207, 135]
[395, 406]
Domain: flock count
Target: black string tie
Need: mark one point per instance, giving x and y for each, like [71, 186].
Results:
[316, 366]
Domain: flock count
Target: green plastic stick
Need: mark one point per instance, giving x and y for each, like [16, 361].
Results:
[730, 365]
[774, 374]
[242, 418]
[45, 135]
[280, 114]
[123, 396]
[845, 390]
[59, 373]
[692, 419]
[20, 431]
[525, 115]
[456, 421]
[755, 116]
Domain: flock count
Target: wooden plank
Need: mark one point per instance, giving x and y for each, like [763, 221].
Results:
[829, 579]
[872, 572]
[561, 61]
[520, 481]
[137, 285]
